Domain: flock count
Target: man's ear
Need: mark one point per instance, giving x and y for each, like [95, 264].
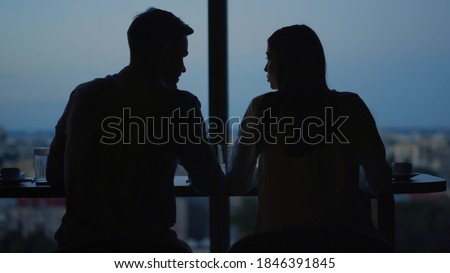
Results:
[166, 52]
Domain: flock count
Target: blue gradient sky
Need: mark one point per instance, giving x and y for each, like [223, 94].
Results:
[395, 54]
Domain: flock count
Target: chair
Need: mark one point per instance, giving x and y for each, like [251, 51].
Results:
[126, 246]
[312, 240]
[385, 214]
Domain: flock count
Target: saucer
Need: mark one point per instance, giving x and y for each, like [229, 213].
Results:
[17, 180]
[403, 177]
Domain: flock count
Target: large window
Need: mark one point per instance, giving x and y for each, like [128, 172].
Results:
[48, 48]
[394, 54]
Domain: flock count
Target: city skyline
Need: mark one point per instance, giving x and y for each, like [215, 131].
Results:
[393, 54]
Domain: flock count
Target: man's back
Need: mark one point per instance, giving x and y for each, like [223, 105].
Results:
[124, 140]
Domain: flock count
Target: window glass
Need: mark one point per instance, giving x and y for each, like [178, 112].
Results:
[395, 55]
[48, 48]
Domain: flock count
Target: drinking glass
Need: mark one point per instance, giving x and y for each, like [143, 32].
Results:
[40, 163]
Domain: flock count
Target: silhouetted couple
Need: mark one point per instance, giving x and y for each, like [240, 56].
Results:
[115, 154]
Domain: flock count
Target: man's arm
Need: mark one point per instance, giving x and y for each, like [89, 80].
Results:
[198, 158]
[55, 162]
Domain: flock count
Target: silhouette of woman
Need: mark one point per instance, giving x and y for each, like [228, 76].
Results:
[302, 146]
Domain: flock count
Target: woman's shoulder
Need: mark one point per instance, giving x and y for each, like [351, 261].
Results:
[265, 96]
[264, 100]
[347, 98]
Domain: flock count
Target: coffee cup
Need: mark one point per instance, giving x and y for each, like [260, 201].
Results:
[401, 168]
[10, 173]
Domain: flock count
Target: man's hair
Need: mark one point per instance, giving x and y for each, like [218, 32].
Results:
[151, 30]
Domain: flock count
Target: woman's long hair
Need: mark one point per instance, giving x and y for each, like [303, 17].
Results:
[301, 59]
[302, 87]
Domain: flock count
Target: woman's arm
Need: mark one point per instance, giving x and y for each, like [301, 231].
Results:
[241, 172]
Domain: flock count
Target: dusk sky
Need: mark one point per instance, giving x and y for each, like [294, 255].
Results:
[394, 54]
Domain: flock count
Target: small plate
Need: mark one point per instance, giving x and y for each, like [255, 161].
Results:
[403, 177]
[14, 181]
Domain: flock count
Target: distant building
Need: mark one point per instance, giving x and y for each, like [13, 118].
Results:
[2, 145]
[429, 151]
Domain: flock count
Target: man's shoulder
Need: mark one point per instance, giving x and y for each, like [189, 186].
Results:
[90, 88]
[186, 97]
[110, 86]
[345, 94]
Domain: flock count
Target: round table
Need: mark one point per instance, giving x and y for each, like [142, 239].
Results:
[421, 183]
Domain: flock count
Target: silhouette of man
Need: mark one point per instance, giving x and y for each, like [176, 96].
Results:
[118, 143]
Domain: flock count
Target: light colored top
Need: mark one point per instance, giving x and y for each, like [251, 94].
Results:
[317, 187]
